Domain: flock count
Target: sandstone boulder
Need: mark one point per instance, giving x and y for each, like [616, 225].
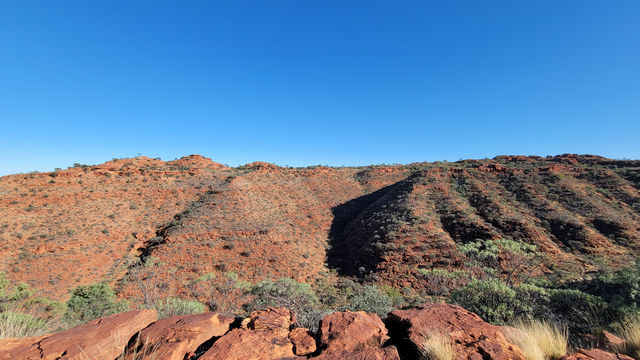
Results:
[350, 331]
[175, 337]
[270, 319]
[303, 341]
[354, 335]
[386, 353]
[594, 354]
[243, 344]
[470, 336]
[264, 335]
[103, 338]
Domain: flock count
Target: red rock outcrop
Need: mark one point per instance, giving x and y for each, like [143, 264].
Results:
[471, 337]
[268, 335]
[102, 338]
[354, 335]
[264, 335]
[176, 337]
[303, 341]
[595, 354]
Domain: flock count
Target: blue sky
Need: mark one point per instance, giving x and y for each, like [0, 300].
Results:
[316, 82]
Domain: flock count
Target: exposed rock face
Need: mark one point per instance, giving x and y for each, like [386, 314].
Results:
[354, 335]
[264, 335]
[196, 162]
[241, 344]
[102, 338]
[594, 354]
[610, 341]
[175, 337]
[279, 319]
[386, 353]
[268, 334]
[471, 337]
[303, 341]
[351, 331]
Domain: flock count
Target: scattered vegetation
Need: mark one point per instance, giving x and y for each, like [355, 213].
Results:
[23, 314]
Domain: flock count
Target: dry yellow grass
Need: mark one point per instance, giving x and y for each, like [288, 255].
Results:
[437, 346]
[630, 332]
[18, 325]
[539, 340]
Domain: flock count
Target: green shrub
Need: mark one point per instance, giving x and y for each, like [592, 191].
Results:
[492, 300]
[15, 297]
[4, 282]
[174, 306]
[288, 293]
[370, 299]
[91, 302]
[394, 294]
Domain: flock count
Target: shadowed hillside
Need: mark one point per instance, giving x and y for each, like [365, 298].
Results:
[134, 219]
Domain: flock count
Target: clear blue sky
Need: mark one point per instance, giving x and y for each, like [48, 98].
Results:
[316, 82]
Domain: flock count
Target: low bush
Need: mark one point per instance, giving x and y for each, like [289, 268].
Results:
[370, 299]
[91, 302]
[492, 300]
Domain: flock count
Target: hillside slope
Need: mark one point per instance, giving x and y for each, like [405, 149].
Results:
[194, 217]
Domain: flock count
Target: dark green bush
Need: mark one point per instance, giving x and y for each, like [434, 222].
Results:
[91, 302]
[370, 299]
[492, 300]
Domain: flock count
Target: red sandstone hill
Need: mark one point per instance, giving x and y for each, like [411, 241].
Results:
[194, 217]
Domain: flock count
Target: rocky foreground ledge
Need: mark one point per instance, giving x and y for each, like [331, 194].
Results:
[269, 334]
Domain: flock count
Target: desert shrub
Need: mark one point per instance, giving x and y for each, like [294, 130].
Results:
[397, 299]
[539, 340]
[336, 295]
[579, 310]
[440, 282]
[620, 289]
[222, 294]
[370, 299]
[513, 262]
[288, 293]
[92, 301]
[492, 300]
[4, 281]
[436, 346]
[14, 297]
[18, 325]
[174, 306]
